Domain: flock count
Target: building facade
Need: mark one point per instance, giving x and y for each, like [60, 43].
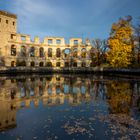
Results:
[18, 50]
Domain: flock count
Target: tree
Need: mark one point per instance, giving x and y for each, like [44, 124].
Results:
[104, 50]
[137, 40]
[98, 52]
[121, 44]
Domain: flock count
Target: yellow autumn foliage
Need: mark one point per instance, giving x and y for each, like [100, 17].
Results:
[120, 44]
[119, 96]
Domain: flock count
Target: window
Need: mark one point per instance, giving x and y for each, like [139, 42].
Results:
[58, 41]
[75, 42]
[58, 52]
[66, 64]
[49, 41]
[41, 52]
[74, 64]
[49, 64]
[67, 52]
[13, 64]
[7, 21]
[58, 89]
[13, 23]
[13, 36]
[32, 64]
[58, 64]
[23, 38]
[32, 52]
[83, 64]
[92, 64]
[41, 64]
[75, 53]
[49, 52]
[23, 51]
[0, 19]
[13, 50]
[58, 78]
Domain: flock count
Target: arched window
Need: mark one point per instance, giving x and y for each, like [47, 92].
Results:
[58, 64]
[74, 64]
[58, 52]
[32, 52]
[50, 52]
[66, 64]
[83, 53]
[67, 53]
[49, 64]
[83, 64]
[13, 50]
[13, 64]
[23, 63]
[75, 53]
[92, 64]
[58, 89]
[41, 64]
[41, 52]
[23, 51]
[32, 64]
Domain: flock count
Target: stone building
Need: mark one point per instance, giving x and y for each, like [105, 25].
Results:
[18, 50]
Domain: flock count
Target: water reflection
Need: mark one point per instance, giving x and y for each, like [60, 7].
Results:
[53, 90]
[119, 96]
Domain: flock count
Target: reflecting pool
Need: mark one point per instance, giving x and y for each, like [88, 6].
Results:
[69, 107]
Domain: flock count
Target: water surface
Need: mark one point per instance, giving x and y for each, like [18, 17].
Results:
[72, 107]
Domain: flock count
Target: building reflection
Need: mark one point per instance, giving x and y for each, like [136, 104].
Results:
[7, 115]
[21, 92]
[17, 93]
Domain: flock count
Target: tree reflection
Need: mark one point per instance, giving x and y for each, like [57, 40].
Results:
[119, 95]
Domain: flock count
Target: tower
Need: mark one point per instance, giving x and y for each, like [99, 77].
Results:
[8, 23]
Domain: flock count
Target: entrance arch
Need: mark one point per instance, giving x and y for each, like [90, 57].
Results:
[13, 64]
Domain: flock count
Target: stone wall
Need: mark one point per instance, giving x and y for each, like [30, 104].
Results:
[18, 49]
[39, 52]
[8, 23]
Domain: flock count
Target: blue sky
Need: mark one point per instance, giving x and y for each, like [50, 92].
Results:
[70, 18]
